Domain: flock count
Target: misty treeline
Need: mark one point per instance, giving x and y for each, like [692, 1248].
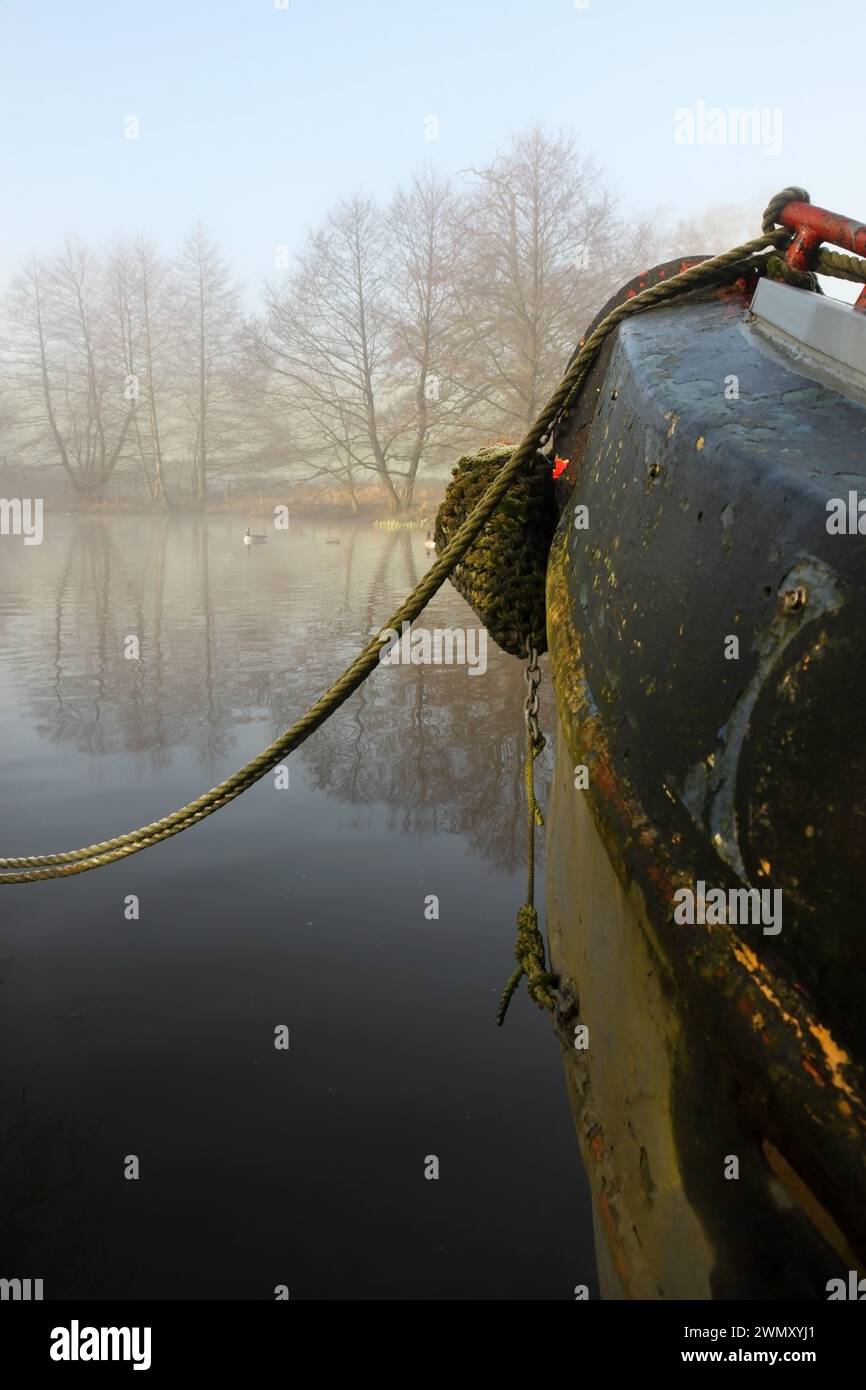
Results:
[394, 337]
[127, 362]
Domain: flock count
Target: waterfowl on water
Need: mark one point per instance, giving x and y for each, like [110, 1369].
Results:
[429, 544]
[250, 539]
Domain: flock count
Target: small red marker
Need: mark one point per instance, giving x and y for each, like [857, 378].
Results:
[559, 467]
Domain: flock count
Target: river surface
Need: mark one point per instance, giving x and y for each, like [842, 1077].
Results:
[301, 907]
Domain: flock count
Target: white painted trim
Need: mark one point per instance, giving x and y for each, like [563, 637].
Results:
[821, 331]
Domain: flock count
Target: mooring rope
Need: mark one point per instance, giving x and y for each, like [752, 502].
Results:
[715, 270]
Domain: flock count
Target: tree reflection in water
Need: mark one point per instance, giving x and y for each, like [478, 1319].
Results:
[229, 638]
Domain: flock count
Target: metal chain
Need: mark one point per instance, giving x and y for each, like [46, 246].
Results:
[532, 676]
[529, 947]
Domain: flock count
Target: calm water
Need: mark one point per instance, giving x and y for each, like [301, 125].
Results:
[302, 907]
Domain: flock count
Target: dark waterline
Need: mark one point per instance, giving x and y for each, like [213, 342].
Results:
[302, 907]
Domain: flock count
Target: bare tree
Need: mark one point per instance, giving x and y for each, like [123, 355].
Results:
[209, 343]
[28, 369]
[63, 357]
[8, 420]
[327, 336]
[138, 285]
[429, 400]
[153, 293]
[544, 248]
[98, 405]
[363, 334]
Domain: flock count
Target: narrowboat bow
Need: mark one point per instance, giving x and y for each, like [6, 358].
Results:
[706, 592]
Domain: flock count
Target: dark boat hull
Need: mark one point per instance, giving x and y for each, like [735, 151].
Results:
[707, 520]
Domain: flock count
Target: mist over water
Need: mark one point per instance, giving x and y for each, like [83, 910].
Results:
[302, 907]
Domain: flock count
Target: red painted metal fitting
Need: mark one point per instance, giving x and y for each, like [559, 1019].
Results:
[812, 226]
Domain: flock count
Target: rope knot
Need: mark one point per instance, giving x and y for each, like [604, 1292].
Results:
[529, 946]
[531, 962]
[779, 269]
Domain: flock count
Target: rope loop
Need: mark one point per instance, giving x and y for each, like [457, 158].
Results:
[779, 269]
[777, 203]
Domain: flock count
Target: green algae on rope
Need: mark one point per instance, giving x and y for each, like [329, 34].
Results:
[502, 576]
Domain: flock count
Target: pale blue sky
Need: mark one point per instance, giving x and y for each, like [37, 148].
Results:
[257, 118]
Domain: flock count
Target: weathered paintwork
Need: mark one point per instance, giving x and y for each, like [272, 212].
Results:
[707, 518]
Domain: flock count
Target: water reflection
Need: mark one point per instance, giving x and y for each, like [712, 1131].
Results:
[229, 636]
[154, 1036]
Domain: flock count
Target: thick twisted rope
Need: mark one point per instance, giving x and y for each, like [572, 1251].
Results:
[715, 270]
[841, 265]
